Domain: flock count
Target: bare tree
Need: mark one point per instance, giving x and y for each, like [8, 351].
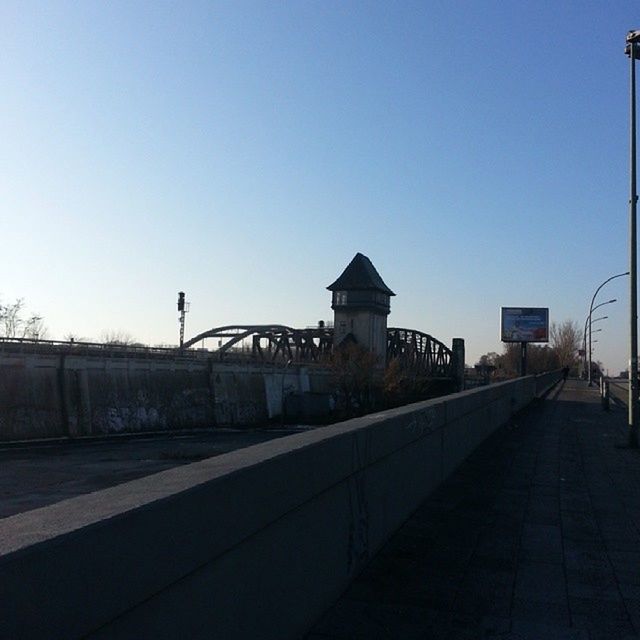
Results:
[489, 359]
[74, 337]
[14, 324]
[540, 358]
[565, 341]
[117, 337]
[562, 351]
[509, 360]
[353, 369]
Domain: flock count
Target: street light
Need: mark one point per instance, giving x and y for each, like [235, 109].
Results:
[594, 341]
[590, 349]
[607, 302]
[591, 308]
[633, 51]
[584, 333]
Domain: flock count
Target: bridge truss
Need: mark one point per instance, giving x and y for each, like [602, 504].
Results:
[417, 352]
[270, 343]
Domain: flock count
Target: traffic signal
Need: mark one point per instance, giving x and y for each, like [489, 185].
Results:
[181, 301]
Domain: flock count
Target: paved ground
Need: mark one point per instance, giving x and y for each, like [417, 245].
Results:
[619, 389]
[535, 537]
[34, 475]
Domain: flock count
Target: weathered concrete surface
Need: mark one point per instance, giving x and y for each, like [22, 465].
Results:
[253, 543]
[536, 536]
[47, 395]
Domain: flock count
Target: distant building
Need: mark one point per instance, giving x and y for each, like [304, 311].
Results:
[361, 304]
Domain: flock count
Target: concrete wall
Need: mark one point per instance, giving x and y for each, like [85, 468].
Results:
[44, 396]
[251, 544]
[64, 395]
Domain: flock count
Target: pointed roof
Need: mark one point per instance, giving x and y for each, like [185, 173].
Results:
[360, 274]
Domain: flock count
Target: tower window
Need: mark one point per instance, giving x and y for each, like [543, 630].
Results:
[341, 297]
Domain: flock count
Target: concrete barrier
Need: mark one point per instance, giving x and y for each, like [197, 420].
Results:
[256, 543]
[67, 395]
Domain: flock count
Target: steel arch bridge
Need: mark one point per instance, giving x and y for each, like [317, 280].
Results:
[270, 343]
[418, 353]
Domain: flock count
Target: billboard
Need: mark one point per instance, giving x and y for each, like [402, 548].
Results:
[524, 324]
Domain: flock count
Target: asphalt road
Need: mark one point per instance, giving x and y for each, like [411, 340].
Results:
[619, 390]
[37, 474]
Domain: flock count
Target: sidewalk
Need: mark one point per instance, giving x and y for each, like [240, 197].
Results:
[535, 537]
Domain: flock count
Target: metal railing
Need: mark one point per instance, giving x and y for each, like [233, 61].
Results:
[108, 349]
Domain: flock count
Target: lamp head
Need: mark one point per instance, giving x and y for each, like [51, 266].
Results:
[633, 36]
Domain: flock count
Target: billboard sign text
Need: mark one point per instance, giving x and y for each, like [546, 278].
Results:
[524, 324]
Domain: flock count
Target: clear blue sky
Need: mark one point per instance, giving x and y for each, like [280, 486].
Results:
[243, 152]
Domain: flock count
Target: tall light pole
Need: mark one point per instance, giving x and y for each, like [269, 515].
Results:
[590, 330]
[591, 307]
[633, 51]
[594, 341]
[584, 333]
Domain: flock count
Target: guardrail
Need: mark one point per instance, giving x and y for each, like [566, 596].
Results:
[26, 346]
[103, 349]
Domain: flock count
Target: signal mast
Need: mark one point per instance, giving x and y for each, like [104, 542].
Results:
[183, 308]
